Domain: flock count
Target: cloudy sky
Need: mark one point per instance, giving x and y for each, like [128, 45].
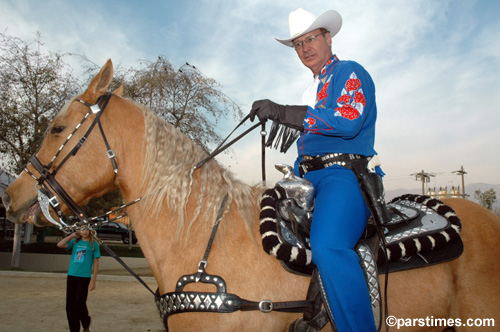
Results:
[435, 65]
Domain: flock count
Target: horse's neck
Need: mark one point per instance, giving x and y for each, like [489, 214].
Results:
[172, 251]
[172, 247]
[166, 256]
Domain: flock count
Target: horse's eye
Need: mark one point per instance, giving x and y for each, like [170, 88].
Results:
[57, 129]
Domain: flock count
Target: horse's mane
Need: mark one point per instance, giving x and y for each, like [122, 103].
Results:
[168, 178]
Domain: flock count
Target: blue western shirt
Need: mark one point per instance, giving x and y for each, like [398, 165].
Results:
[343, 119]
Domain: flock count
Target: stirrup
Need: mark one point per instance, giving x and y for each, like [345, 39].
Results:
[315, 318]
[301, 326]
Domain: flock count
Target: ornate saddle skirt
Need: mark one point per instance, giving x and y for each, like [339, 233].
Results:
[422, 231]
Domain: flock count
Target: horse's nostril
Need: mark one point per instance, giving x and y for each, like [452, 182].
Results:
[6, 201]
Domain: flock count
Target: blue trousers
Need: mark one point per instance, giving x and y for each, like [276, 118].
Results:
[339, 219]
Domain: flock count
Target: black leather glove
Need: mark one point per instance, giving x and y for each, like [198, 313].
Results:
[292, 116]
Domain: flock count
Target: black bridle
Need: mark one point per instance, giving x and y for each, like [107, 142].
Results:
[47, 185]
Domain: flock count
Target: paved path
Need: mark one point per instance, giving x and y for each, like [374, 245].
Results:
[35, 301]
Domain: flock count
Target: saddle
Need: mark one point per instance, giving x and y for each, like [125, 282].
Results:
[421, 231]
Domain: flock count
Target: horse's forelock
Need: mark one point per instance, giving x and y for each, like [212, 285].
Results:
[64, 110]
[168, 179]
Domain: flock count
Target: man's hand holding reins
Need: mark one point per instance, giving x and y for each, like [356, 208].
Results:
[292, 116]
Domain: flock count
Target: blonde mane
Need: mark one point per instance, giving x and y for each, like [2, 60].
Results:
[168, 178]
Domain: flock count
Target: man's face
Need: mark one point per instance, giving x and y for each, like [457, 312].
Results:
[315, 54]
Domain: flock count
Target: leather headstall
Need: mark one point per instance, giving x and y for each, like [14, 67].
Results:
[47, 177]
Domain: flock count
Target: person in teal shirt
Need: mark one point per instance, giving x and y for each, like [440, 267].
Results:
[82, 275]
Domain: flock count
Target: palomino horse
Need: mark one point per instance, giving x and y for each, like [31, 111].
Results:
[173, 223]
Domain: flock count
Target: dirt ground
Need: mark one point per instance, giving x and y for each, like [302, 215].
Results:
[36, 302]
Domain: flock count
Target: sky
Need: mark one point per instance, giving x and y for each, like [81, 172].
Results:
[435, 64]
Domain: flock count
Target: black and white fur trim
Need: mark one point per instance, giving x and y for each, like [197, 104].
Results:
[395, 251]
[269, 232]
[424, 243]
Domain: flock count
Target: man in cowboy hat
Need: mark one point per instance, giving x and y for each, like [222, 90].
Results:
[337, 121]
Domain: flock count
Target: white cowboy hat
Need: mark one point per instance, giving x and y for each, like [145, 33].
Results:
[301, 22]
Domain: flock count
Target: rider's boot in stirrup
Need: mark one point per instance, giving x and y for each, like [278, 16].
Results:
[315, 317]
[301, 326]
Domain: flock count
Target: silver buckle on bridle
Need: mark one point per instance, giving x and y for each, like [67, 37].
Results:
[111, 154]
[266, 306]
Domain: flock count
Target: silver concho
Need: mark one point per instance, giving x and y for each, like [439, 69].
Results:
[299, 189]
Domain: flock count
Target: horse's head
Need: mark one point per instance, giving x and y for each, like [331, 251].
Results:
[81, 173]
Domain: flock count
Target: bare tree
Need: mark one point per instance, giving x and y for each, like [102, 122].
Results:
[184, 97]
[34, 86]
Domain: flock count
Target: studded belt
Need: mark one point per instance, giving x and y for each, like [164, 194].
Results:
[310, 163]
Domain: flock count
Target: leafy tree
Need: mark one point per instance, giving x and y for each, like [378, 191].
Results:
[34, 85]
[486, 199]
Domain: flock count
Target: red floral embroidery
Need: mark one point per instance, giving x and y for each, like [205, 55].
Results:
[311, 121]
[348, 112]
[359, 97]
[352, 84]
[323, 71]
[344, 99]
[323, 94]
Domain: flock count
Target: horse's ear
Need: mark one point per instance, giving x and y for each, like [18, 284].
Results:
[100, 83]
[119, 91]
